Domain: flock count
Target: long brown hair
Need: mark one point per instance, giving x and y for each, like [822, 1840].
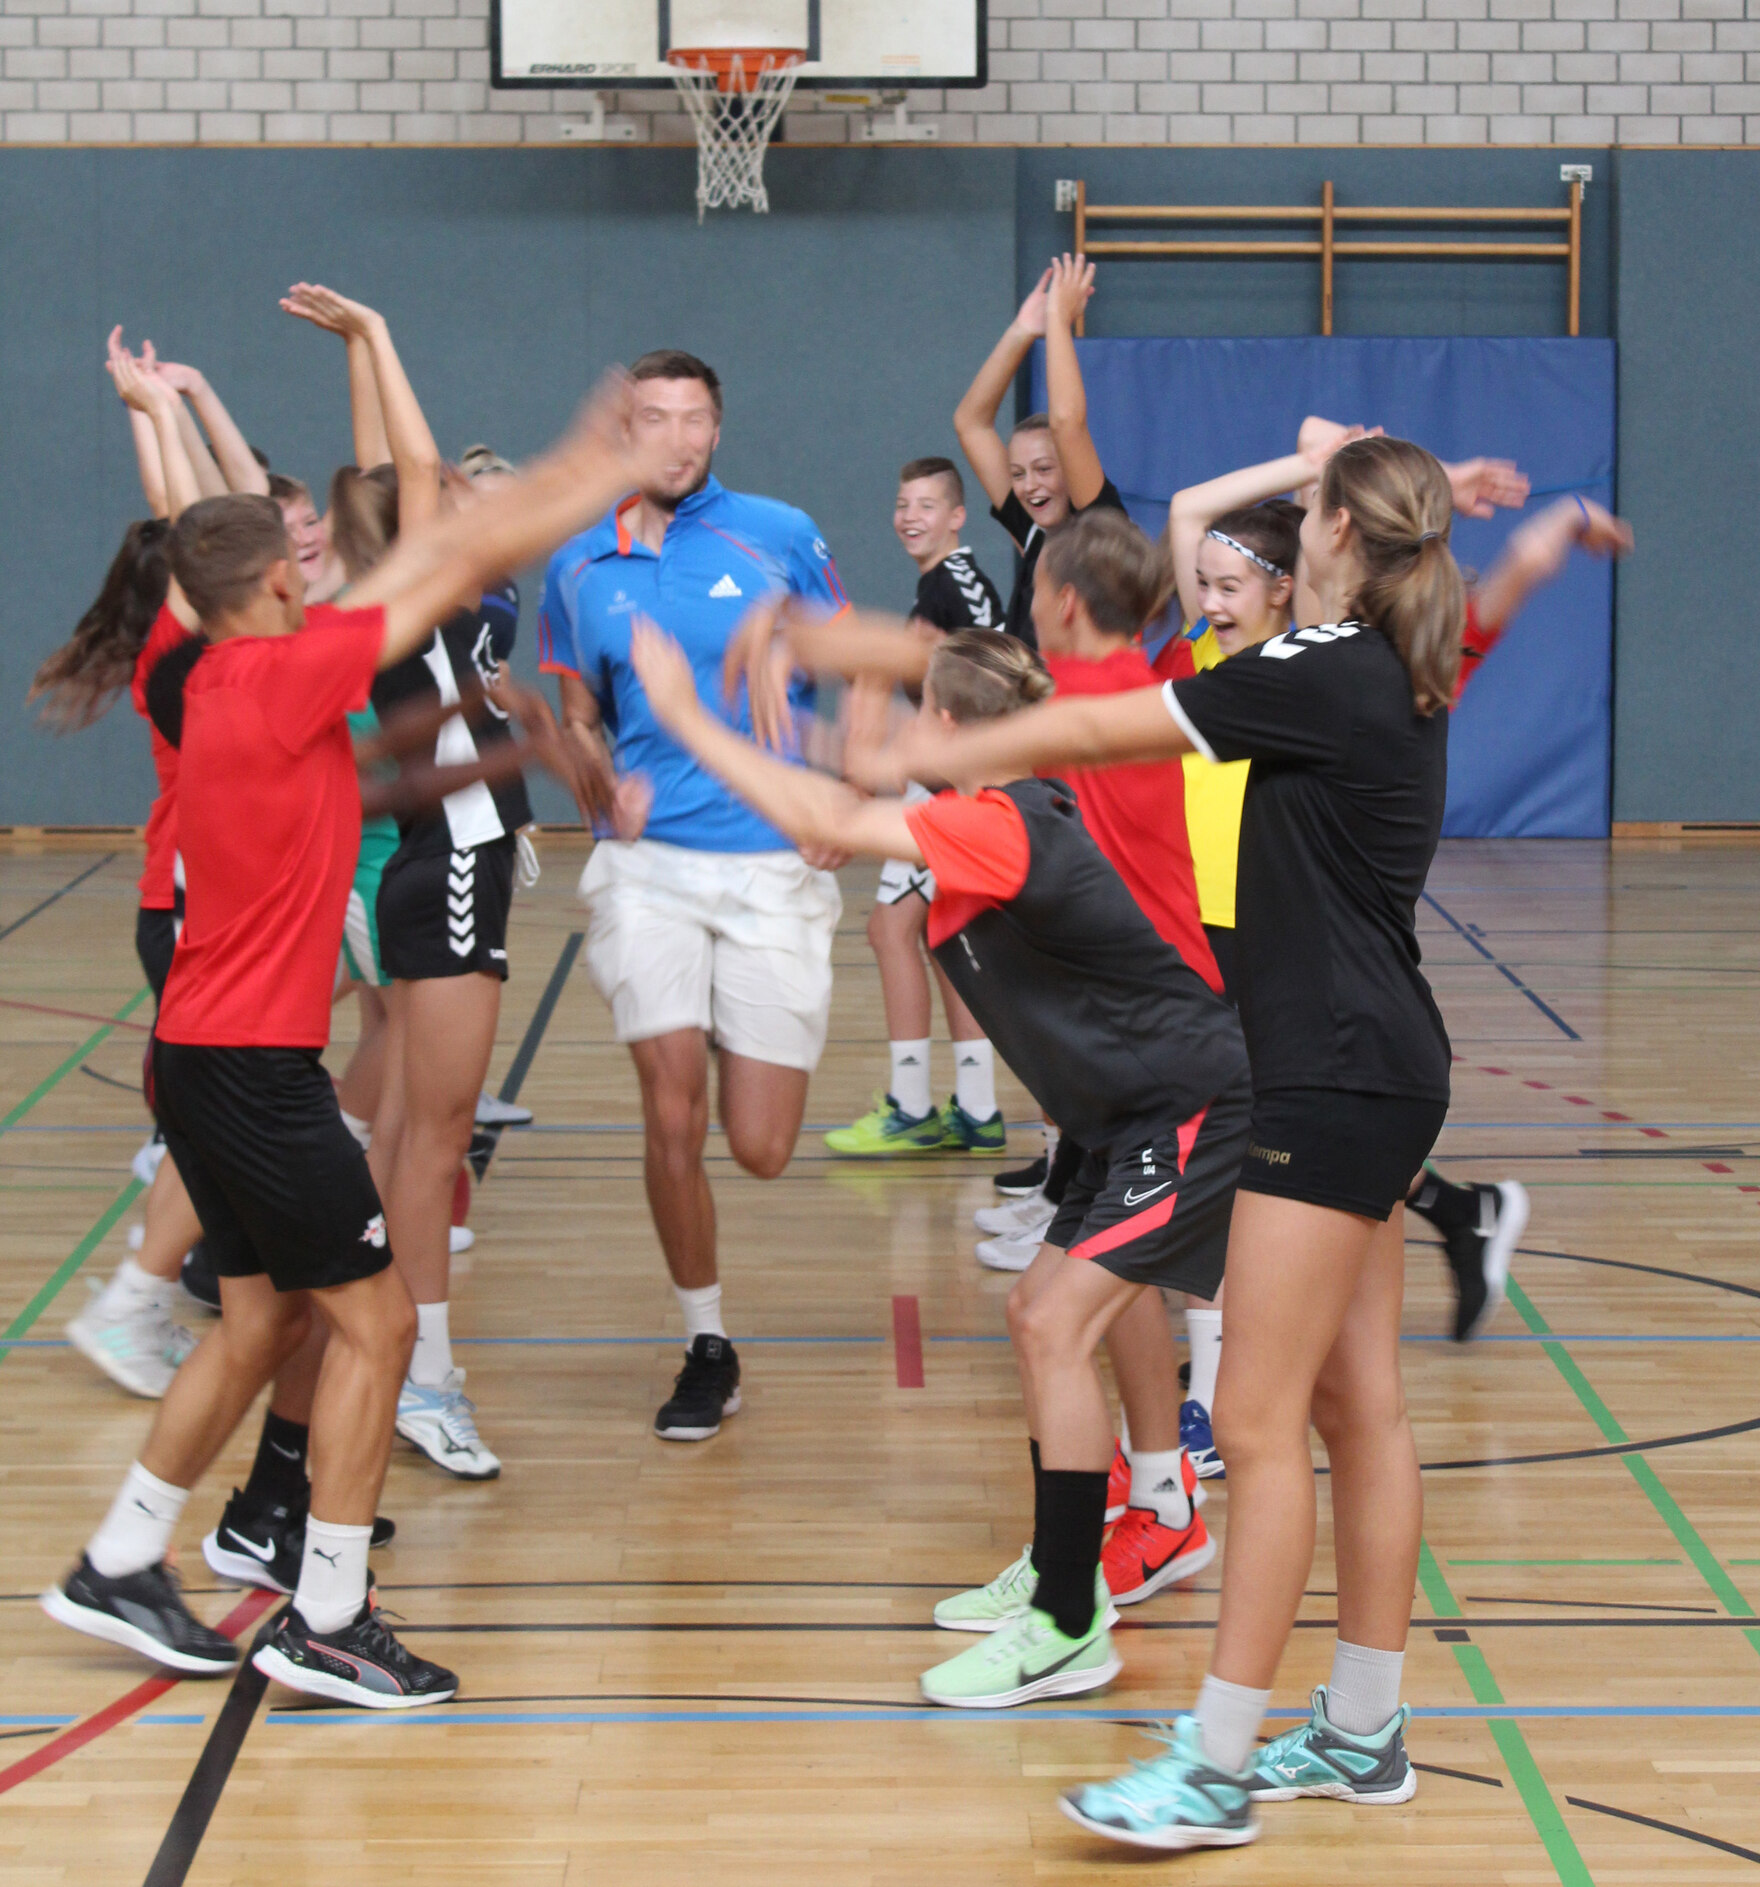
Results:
[363, 516]
[80, 680]
[1401, 510]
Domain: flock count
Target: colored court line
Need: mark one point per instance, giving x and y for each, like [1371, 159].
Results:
[18, 1112]
[1504, 971]
[907, 1342]
[89, 1729]
[1572, 1562]
[1727, 1593]
[1543, 1811]
[59, 1277]
[207, 1783]
[75, 1015]
[54, 897]
[1665, 1827]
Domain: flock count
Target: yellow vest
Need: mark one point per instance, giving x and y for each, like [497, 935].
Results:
[1215, 793]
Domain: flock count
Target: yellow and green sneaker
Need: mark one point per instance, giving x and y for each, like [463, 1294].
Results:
[886, 1131]
[960, 1133]
[1026, 1657]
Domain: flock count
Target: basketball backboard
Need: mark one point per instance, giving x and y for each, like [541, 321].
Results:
[621, 45]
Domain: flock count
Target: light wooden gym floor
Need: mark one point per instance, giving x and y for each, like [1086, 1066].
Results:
[683, 1663]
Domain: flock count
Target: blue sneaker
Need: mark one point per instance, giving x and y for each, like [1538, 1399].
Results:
[965, 1133]
[1316, 1759]
[1180, 1800]
[1198, 1442]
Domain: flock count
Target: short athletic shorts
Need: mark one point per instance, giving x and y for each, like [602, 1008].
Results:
[360, 924]
[1334, 1147]
[897, 878]
[279, 1183]
[736, 943]
[155, 942]
[1154, 1208]
[445, 913]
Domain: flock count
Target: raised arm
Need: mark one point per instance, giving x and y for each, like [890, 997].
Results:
[409, 441]
[1537, 550]
[777, 638]
[1197, 507]
[146, 441]
[237, 462]
[1072, 284]
[812, 810]
[148, 397]
[974, 419]
[366, 415]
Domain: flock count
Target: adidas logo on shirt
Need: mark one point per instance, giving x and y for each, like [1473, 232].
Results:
[727, 587]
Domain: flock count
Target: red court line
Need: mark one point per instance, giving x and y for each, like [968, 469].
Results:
[79, 1015]
[907, 1342]
[77, 1735]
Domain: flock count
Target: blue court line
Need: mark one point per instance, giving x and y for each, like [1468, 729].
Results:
[159, 1720]
[1587, 1121]
[884, 1713]
[1501, 968]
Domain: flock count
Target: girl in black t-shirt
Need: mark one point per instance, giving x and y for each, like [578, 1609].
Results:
[1347, 728]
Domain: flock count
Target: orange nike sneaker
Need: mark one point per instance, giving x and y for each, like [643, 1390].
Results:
[1118, 1485]
[1142, 1557]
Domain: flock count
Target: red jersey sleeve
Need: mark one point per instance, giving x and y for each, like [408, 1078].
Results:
[975, 847]
[321, 673]
[1476, 644]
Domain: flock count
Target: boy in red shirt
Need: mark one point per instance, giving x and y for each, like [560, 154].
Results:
[269, 812]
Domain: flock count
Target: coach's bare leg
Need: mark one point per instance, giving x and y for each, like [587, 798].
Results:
[674, 1073]
[762, 1106]
[259, 1329]
[372, 1325]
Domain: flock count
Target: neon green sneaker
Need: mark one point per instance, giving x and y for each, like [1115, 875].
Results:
[887, 1131]
[1024, 1658]
[960, 1133]
[1180, 1800]
[1317, 1759]
[1008, 1595]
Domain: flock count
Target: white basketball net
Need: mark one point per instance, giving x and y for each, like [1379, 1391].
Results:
[734, 126]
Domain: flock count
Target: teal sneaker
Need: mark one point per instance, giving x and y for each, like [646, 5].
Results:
[1316, 1759]
[1180, 1800]
[1027, 1657]
[886, 1131]
[960, 1133]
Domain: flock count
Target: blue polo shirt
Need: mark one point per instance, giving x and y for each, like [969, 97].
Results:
[722, 552]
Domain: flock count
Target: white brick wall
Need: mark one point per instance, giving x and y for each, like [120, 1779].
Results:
[1062, 72]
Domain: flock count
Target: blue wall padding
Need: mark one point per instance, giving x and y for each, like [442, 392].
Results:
[1530, 745]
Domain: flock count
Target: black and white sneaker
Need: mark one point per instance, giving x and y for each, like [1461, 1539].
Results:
[145, 1612]
[199, 1278]
[1018, 1181]
[707, 1389]
[1479, 1254]
[361, 1664]
[258, 1544]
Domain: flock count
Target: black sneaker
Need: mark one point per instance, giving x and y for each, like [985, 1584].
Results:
[361, 1664]
[707, 1389]
[258, 1543]
[1018, 1181]
[384, 1531]
[1479, 1254]
[144, 1611]
[199, 1278]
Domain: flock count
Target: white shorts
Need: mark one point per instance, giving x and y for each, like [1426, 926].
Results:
[736, 943]
[897, 879]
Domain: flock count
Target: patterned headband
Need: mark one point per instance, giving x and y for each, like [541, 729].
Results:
[1252, 556]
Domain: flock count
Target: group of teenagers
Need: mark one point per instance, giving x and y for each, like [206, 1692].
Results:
[1238, 1059]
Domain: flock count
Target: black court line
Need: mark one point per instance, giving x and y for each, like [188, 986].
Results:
[627, 1697]
[1501, 968]
[1666, 1827]
[201, 1795]
[110, 1081]
[73, 884]
[1588, 1605]
[1460, 1775]
[1626, 1264]
[576, 1628]
[487, 1139]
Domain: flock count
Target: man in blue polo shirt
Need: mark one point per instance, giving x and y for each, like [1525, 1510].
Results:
[704, 922]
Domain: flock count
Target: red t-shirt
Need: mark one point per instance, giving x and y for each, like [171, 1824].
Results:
[1476, 644]
[159, 880]
[1137, 814]
[269, 826]
[977, 848]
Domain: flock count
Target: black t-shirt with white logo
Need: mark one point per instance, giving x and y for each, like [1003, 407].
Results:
[1017, 521]
[956, 594]
[1343, 812]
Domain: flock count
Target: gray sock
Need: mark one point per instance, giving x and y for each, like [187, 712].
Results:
[1363, 1695]
[1229, 1716]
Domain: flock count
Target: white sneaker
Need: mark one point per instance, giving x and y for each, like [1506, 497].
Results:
[137, 1345]
[1017, 1217]
[494, 1113]
[442, 1423]
[460, 1238]
[145, 1164]
[1009, 1254]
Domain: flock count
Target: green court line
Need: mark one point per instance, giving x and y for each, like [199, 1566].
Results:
[1578, 1562]
[58, 1278]
[1728, 1594]
[17, 1113]
[1512, 1745]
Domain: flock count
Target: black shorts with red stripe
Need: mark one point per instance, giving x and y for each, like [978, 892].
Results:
[1154, 1207]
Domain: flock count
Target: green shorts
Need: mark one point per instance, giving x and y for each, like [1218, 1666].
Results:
[360, 926]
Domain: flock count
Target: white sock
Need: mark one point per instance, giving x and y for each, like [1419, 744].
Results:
[1124, 1431]
[1229, 1716]
[137, 1529]
[1364, 1691]
[333, 1574]
[910, 1078]
[1204, 1333]
[432, 1362]
[132, 1288]
[702, 1312]
[361, 1129]
[1158, 1483]
[974, 1077]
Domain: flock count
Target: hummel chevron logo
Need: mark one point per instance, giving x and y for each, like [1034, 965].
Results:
[727, 587]
[1137, 1198]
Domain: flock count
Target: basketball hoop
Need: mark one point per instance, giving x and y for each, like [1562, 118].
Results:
[735, 96]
